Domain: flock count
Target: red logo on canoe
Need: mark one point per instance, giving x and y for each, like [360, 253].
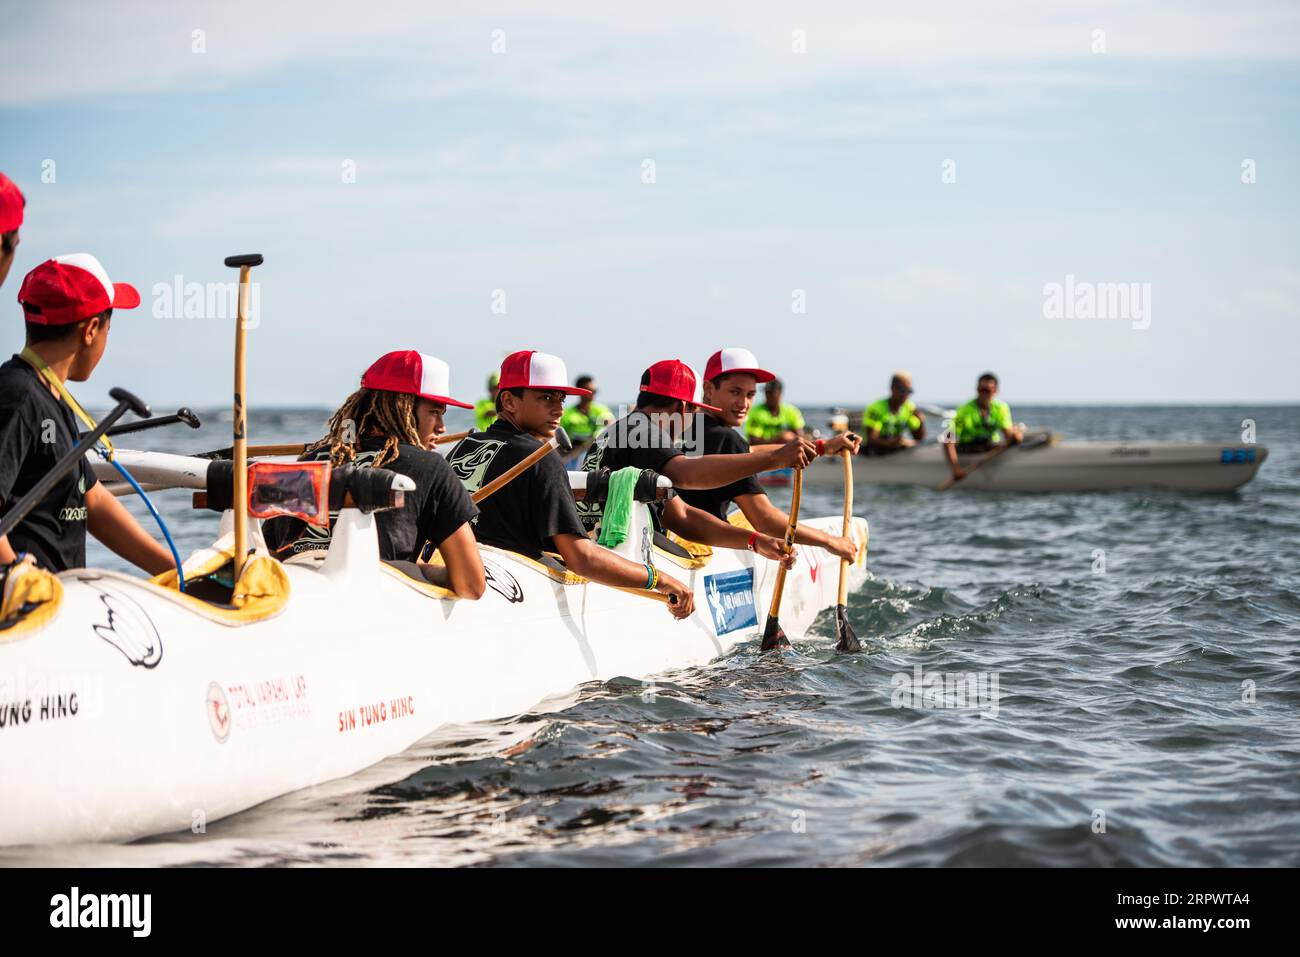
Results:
[218, 712]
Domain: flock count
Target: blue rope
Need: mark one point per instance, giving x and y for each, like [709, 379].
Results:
[180, 571]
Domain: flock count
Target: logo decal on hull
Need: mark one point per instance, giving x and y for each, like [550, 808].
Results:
[502, 582]
[731, 600]
[218, 712]
[127, 626]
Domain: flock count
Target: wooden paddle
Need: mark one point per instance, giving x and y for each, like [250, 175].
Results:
[1032, 441]
[848, 641]
[245, 263]
[560, 440]
[773, 635]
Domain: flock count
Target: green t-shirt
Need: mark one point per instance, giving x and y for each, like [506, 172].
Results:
[969, 424]
[763, 426]
[485, 413]
[582, 426]
[888, 423]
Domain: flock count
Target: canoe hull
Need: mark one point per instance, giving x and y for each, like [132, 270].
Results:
[130, 715]
[1064, 467]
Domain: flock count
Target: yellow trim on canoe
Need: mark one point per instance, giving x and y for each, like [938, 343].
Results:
[261, 592]
[426, 588]
[32, 599]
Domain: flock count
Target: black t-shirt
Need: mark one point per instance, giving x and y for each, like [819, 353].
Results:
[436, 508]
[721, 439]
[36, 430]
[527, 514]
[634, 441]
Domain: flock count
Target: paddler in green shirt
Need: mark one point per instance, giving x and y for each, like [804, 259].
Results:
[773, 421]
[888, 421]
[485, 410]
[587, 419]
[981, 424]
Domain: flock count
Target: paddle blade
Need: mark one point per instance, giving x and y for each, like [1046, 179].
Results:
[774, 635]
[848, 643]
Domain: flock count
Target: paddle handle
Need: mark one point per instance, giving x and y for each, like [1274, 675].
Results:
[846, 459]
[514, 471]
[775, 610]
[451, 437]
[240, 427]
[652, 595]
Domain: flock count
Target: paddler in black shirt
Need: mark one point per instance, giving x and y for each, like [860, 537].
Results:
[392, 422]
[651, 437]
[67, 304]
[535, 513]
[731, 378]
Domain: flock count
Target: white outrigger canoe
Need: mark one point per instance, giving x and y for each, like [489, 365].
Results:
[1059, 467]
[128, 709]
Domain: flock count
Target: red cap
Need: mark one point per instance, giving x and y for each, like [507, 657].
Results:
[537, 370]
[414, 373]
[67, 289]
[727, 361]
[11, 205]
[676, 380]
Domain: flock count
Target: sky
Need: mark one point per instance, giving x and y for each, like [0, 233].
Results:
[843, 188]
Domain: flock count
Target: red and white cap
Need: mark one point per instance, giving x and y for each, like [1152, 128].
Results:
[676, 380]
[415, 373]
[67, 289]
[726, 361]
[11, 205]
[537, 370]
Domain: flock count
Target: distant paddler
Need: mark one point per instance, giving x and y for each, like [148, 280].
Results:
[485, 410]
[68, 303]
[981, 425]
[11, 218]
[535, 513]
[731, 378]
[586, 418]
[391, 422]
[773, 420]
[887, 422]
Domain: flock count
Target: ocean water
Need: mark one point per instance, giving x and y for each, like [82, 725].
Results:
[1144, 647]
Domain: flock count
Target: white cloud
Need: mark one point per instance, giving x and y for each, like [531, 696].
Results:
[588, 50]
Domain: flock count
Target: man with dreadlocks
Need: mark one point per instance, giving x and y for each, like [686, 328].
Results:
[392, 422]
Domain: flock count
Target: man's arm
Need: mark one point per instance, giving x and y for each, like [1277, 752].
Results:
[767, 518]
[109, 521]
[715, 471]
[462, 568]
[7, 554]
[950, 452]
[697, 525]
[586, 558]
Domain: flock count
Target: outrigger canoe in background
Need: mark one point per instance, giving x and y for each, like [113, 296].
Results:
[1056, 467]
[130, 709]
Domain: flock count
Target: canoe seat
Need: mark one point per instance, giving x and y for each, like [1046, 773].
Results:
[32, 596]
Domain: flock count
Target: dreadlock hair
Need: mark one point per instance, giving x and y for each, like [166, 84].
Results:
[392, 414]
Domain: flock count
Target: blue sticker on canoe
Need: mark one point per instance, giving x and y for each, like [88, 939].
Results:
[731, 600]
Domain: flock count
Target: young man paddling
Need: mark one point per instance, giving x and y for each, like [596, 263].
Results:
[392, 422]
[981, 424]
[731, 379]
[888, 421]
[650, 437]
[535, 512]
[67, 304]
[11, 217]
